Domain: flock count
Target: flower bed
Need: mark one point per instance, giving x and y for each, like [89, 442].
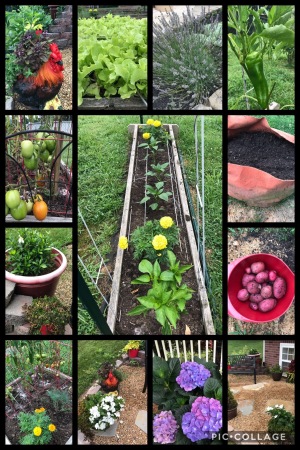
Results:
[148, 167]
[30, 398]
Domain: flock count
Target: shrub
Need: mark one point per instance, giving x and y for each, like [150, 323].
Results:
[187, 59]
[48, 312]
[232, 403]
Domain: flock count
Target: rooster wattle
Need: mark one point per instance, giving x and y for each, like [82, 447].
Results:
[36, 91]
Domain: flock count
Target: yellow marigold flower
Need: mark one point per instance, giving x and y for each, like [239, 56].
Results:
[37, 431]
[51, 427]
[146, 135]
[123, 242]
[37, 411]
[150, 122]
[159, 242]
[42, 409]
[157, 123]
[166, 222]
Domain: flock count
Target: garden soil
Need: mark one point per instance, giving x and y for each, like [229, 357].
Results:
[61, 419]
[249, 241]
[147, 324]
[258, 419]
[264, 151]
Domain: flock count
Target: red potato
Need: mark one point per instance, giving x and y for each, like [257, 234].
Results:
[255, 298]
[272, 275]
[248, 270]
[253, 306]
[279, 287]
[267, 305]
[243, 295]
[257, 267]
[262, 277]
[247, 278]
[266, 292]
[253, 287]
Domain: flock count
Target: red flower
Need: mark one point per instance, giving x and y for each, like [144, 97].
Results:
[46, 329]
[38, 32]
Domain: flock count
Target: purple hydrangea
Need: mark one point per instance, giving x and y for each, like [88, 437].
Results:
[204, 419]
[164, 428]
[192, 375]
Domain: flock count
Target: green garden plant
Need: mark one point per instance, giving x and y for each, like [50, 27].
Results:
[167, 296]
[47, 311]
[158, 171]
[142, 238]
[61, 399]
[281, 420]
[157, 193]
[250, 46]
[37, 426]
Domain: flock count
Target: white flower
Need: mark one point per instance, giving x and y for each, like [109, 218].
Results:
[121, 421]
[91, 419]
[21, 240]
[102, 426]
[275, 417]
[119, 398]
[94, 411]
[281, 406]
[117, 414]
[106, 407]
[276, 406]
[269, 408]
[97, 426]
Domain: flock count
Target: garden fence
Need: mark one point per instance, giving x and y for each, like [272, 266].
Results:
[210, 350]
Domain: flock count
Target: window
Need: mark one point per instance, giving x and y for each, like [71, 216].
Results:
[286, 355]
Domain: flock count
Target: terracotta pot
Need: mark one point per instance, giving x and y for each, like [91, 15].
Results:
[133, 352]
[38, 286]
[232, 413]
[276, 376]
[254, 186]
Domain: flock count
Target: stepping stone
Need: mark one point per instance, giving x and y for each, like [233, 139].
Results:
[68, 330]
[93, 390]
[9, 291]
[82, 440]
[118, 363]
[254, 387]
[230, 428]
[215, 100]
[23, 329]
[245, 406]
[235, 390]
[141, 420]
[288, 404]
[14, 311]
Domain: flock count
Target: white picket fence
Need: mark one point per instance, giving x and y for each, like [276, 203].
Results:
[171, 349]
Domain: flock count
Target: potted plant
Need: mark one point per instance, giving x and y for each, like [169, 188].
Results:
[232, 405]
[132, 348]
[276, 372]
[291, 372]
[253, 352]
[228, 365]
[33, 264]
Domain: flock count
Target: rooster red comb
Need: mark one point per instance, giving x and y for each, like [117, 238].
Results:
[55, 53]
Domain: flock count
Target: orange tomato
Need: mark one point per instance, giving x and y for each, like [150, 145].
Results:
[40, 210]
[40, 180]
[38, 198]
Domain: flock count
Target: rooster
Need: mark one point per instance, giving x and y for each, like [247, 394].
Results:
[110, 384]
[36, 91]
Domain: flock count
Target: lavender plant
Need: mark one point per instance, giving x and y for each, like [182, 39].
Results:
[187, 60]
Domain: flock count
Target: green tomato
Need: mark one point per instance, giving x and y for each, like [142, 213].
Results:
[27, 149]
[29, 206]
[43, 146]
[39, 136]
[51, 143]
[20, 212]
[30, 163]
[38, 356]
[6, 209]
[12, 198]
[44, 156]
[44, 355]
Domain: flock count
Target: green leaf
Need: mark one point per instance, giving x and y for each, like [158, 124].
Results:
[144, 200]
[149, 302]
[171, 257]
[279, 33]
[156, 270]
[146, 266]
[164, 196]
[160, 315]
[141, 279]
[159, 185]
[160, 367]
[167, 275]
[210, 387]
[174, 368]
[172, 315]
[154, 206]
[181, 438]
[137, 310]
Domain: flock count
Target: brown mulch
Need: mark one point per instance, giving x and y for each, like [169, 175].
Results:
[131, 390]
[65, 93]
[258, 419]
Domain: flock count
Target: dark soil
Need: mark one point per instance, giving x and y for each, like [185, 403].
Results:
[147, 324]
[27, 400]
[264, 151]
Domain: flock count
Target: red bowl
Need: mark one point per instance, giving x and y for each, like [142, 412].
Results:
[241, 310]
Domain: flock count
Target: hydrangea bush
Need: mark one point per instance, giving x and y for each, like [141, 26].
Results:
[189, 398]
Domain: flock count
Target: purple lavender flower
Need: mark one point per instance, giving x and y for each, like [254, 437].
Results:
[192, 375]
[165, 428]
[204, 419]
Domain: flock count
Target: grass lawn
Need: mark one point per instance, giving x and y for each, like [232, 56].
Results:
[58, 236]
[102, 164]
[283, 123]
[235, 347]
[91, 354]
[275, 71]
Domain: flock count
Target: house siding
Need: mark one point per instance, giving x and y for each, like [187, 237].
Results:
[272, 351]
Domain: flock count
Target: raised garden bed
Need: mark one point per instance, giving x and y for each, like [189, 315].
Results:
[197, 316]
[34, 397]
[114, 103]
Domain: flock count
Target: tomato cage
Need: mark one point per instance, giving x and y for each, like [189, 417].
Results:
[33, 368]
[46, 173]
